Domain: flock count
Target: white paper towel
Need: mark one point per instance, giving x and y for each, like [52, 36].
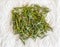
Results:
[8, 39]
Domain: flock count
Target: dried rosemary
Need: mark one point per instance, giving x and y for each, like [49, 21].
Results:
[29, 21]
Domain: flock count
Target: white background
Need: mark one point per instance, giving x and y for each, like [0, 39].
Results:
[8, 39]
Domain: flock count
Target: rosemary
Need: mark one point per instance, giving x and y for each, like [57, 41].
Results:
[30, 21]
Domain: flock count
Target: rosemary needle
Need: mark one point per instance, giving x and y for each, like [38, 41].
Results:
[29, 21]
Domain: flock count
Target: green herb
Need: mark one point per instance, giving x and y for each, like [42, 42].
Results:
[29, 21]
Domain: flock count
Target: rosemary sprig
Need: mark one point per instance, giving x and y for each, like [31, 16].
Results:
[30, 22]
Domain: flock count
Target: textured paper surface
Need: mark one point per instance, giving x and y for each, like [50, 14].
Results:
[8, 39]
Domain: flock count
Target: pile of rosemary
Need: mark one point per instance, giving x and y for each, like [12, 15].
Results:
[29, 21]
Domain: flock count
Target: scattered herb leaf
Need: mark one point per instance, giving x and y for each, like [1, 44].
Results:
[29, 21]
